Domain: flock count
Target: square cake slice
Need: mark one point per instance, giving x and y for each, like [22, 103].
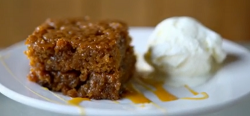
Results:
[81, 58]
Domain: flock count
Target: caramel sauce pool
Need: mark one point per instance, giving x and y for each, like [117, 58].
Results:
[77, 100]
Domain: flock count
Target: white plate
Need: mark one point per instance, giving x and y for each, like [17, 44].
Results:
[226, 87]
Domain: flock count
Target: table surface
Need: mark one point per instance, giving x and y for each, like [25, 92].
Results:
[9, 107]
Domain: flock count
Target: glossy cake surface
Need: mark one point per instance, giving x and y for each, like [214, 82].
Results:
[81, 58]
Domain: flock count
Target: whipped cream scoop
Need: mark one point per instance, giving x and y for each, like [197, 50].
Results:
[184, 51]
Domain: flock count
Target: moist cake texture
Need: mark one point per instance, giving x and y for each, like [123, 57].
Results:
[81, 58]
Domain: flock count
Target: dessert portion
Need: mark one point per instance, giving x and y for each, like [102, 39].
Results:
[184, 51]
[81, 58]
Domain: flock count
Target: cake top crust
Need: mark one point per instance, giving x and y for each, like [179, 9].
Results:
[79, 32]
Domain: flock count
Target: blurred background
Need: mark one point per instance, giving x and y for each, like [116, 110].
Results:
[230, 18]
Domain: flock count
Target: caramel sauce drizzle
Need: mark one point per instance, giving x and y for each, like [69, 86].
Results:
[43, 97]
[191, 90]
[204, 94]
[134, 95]
[57, 96]
[16, 78]
[159, 90]
[163, 95]
[73, 101]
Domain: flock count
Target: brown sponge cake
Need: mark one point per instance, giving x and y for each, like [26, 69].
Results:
[81, 58]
